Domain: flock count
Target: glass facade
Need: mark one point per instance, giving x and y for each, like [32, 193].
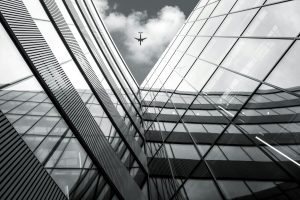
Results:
[221, 104]
[216, 118]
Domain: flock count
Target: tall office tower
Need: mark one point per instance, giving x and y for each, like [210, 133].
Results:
[216, 118]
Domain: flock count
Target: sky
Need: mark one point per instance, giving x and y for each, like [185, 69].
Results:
[159, 20]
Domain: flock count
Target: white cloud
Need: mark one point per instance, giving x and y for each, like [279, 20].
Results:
[159, 31]
[102, 6]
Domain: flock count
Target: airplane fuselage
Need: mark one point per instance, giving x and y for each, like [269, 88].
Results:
[140, 40]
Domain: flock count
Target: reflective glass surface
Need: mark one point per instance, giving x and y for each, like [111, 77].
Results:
[235, 109]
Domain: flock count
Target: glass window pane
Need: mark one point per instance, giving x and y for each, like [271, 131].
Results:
[255, 57]
[196, 27]
[174, 46]
[9, 106]
[185, 43]
[216, 49]
[186, 28]
[66, 178]
[41, 109]
[201, 3]
[234, 153]
[96, 110]
[211, 26]
[194, 15]
[59, 129]
[185, 64]
[26, 122]
[45, 148]
[73, 156]
[235, 23]
[279, 20]
[200, 68]
[234, 189]
[257, 186]
[186, 87]
[25, 96]
[207, 10]
[43, 126]
[172, 82]
[32, 141]
[256, 154]
[201, 190]
[12, 118]
[197, 46]
[244, 4]
[286, 73]
[226, 82]
[40, 97]
[23, 108]
[182, 151]
[223, 7]
[214, 154]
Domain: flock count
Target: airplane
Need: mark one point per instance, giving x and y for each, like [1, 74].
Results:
[140, 40]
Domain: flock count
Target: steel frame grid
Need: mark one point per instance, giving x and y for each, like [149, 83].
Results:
[261, 82]
[86, 71]
[36, 72]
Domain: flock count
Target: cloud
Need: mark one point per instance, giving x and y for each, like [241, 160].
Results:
[159, 31]
[102, 6]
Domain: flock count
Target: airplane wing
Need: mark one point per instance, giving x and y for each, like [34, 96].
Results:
[143, 39]
[137, 39]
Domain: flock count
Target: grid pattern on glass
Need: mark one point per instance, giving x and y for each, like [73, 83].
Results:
[239, 106]
[82, 85]
[91, 39]
[49, 138]
[220, 108]
[39, 123]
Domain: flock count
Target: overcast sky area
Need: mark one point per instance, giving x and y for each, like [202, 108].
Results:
[158, 19]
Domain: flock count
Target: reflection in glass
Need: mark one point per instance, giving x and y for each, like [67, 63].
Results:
[279, 20]
[255, 57]
[287, 67]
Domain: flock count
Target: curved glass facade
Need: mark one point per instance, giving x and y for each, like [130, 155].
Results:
[221, 104]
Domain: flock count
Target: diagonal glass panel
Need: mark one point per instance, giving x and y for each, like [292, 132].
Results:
[216, 49]
[196, 27]
[230, 166]
[207, 10]
[287, 67]
[185, 43]
[225, 86]
[245, 4]
[255, 57]
[279, 20]
[223, 7]
[235, 23]
[202, 68]
[197, 46]
[200, 189]
[210, 26]
[274, 126]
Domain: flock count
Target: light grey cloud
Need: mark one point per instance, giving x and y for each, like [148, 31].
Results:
[159, 31]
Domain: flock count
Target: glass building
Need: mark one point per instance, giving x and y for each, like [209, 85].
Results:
[216, 118]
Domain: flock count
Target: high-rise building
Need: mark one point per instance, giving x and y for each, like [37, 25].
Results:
[216, 118]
